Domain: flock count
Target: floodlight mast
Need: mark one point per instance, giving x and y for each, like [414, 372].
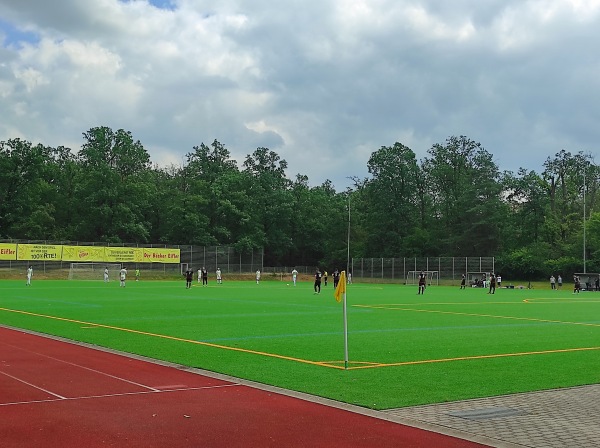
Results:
[584, 256]
[345, 306]
[348, 255]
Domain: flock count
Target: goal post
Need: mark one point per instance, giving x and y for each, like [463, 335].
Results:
[431, 277]
[93, 271]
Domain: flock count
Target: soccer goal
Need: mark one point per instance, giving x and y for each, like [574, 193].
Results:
[183, 267]
[431, 277]
[94, 271]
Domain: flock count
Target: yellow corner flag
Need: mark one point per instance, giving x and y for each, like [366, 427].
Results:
[340, 290]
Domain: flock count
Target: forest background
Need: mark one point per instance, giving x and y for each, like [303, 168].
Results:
[455, 202]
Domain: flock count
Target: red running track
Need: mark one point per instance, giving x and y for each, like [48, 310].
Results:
[59, 394]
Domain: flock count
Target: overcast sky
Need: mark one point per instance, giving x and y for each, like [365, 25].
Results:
[323, 83]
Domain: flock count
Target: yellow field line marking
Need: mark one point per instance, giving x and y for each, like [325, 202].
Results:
[331, 364]
[533, 319]
[174, 338]
[375, 364]
[557, 300]
[471, 358]
[443, 303]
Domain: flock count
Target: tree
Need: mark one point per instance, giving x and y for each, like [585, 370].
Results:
[22, 212]
[305, 248]
[114, 191]
[564, 177]
[593, 241]
[268, 191]
[528, 206]
[219, 182]
[464, 184]
[178, 206]
[393, 195]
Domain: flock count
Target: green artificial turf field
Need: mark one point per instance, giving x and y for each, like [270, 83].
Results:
[404, 349]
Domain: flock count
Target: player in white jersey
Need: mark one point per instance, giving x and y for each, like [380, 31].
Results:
[29, 275]
[294, 276]
[106, 275]
[123, 276]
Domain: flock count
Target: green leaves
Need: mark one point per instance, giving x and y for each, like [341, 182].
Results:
[453, 202]
[22, 181]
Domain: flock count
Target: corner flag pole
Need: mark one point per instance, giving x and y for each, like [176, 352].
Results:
[340, 296]
[345, 335]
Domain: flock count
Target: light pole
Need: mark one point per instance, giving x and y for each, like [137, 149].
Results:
[348, 254]
[584, 257]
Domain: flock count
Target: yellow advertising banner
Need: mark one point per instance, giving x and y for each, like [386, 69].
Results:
[39, 252]
[98, 254]
[152, 255]
[123, 254]
[83, 253]
[8, 251]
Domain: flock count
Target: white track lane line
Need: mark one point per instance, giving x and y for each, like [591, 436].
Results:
[125, 394]
[32, 385]
[87, 368]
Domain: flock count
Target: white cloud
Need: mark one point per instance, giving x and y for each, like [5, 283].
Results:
[324, 84]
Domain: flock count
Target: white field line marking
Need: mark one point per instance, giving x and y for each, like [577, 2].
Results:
[86, 368]
[32, 385]
[123, 394]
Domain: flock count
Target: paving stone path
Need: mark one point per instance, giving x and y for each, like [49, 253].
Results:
[563, 418]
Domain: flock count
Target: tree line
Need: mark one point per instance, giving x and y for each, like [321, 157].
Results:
[453, 202]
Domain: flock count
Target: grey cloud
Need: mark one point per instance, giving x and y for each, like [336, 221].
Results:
[319, 83]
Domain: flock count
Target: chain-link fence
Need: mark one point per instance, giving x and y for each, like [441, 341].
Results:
[288, 269]
[397, 269]
[225, 258]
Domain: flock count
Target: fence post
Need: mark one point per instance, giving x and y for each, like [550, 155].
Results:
[452, 268]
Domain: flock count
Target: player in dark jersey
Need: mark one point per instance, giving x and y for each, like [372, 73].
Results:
[492, 284]
[421, 283]
[336, 278]
[576, 284]
[189, 277]
[463, 282]
[317, 281]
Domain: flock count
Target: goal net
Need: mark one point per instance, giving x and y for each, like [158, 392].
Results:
[94, 271]
[431, 277]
